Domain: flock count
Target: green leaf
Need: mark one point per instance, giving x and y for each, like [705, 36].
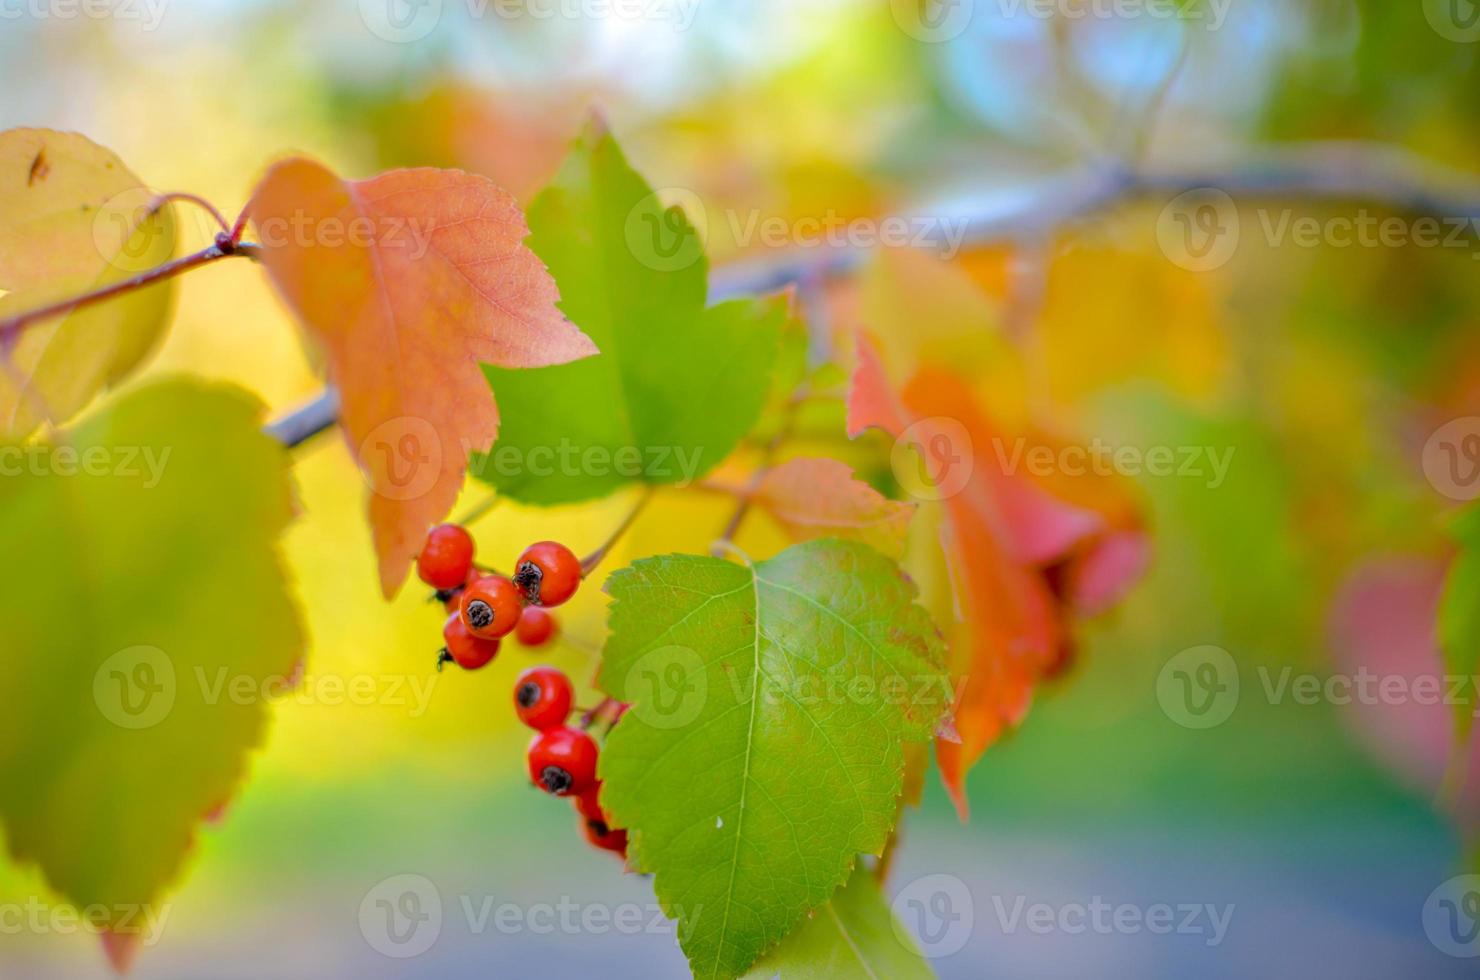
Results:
[73, 220]
[676, 384]
[1459, 613]
[854, 935]
[152, 587]
[765, 747]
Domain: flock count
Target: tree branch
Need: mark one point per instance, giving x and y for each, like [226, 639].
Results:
[1360, 173]
[11, 326]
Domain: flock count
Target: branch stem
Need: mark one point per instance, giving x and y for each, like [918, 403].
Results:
[11, 326]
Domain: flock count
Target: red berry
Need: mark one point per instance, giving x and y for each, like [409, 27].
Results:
[446, 557]
[469, 651]
[490, 607]
[542, 697]
[548, 573]
[562, 761]
[598, 834]
[536, 627]
[451, 598]
[588, 806]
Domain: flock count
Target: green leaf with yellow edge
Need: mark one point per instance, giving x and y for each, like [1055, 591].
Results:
[153, 592]
[1459, 613]
[854, 935]
[74, 220]
[677, 384]
[765, 747]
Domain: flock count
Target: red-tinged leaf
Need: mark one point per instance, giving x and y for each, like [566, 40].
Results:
[408, 281]
[872, 402]
[820, 498]
[1382, 624]
[1025, 552]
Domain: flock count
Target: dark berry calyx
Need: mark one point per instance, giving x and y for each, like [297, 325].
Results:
[598, 827]
[444, 657]
[445, 596]
[556, 780]
[528, 694]
[528, 577]
[480, 614]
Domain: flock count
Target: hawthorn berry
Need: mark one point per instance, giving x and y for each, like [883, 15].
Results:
[461, 646]
[562, 761]
[548, 573]
[446, 557]
[542, 698]
[490, 606]
[451, 598]
[536, 627]
[598, 834]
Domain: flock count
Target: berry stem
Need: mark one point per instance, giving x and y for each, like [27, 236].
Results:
[595, 558]
[11, 326]
[479, 510]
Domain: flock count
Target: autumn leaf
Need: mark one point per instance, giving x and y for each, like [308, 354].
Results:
[154, 588]
[816, 497]
[408, 281]
[765, 747]
[73, 219]
[679, 383]
[1024, 560]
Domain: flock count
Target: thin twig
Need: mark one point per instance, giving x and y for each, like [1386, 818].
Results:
[590, 563]
[746, 496]
[10, 326]
[195, 199]
[240, 227]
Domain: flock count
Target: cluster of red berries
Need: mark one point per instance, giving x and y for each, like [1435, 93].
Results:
[562, 759]
[484, 606]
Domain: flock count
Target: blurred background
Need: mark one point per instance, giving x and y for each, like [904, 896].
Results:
[1320, 367]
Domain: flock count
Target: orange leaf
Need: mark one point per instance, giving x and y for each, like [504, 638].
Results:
[1017, 552]
[820, 498]
[408, 281]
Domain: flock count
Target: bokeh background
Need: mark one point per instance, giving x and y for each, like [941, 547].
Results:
[1325, 369]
